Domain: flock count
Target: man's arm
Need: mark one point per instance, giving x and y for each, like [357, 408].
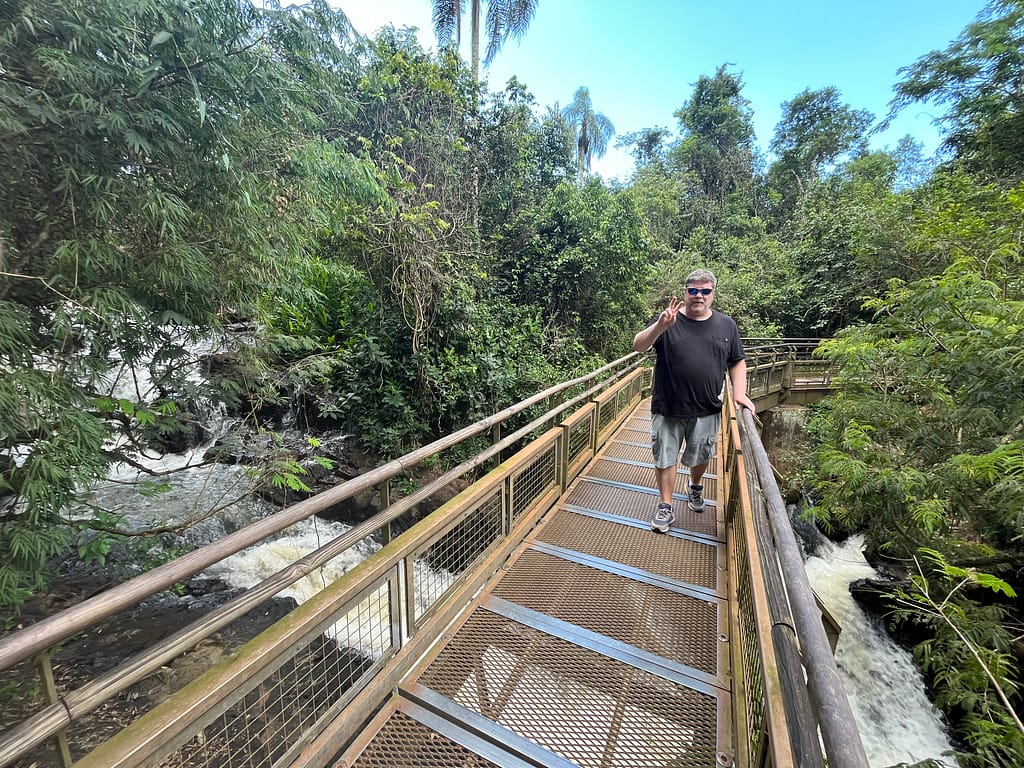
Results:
[738, 380]
[646, 338]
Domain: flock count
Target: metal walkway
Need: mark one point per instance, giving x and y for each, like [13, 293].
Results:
[601, 643]
[533, 619]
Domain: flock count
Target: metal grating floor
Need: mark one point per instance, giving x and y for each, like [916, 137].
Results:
[601, 644]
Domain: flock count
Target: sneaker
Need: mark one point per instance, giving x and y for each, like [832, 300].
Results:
[696, 499]
[663, 518]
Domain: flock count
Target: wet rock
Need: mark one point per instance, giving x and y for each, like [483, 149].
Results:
[785, 436]
[181, 430]
[202, 587]
[108, 644]
[878, 597]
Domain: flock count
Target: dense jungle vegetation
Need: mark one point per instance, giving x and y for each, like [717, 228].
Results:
[408, 252]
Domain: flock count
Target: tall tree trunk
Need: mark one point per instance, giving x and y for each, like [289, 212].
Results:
[475, 42]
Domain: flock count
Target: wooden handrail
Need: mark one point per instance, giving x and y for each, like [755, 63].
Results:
[54, 629]
[839, 733]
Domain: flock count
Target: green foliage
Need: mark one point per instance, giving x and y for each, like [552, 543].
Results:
[522, 157]
[924, 410]
[849, 235]
[815, 131]
[159, 169]
[968, 656]
[585, 266]
[977, 79]
[717, 136]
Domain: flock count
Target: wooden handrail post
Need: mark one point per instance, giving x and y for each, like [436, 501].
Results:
[43, 663]
[385, 502]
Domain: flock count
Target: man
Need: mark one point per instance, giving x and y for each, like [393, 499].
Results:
[694, 346]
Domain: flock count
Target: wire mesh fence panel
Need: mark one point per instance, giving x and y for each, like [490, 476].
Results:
[438, 565]
[751, 670]
[261, 726]
[530, 484]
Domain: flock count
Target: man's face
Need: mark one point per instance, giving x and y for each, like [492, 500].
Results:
[698, 298]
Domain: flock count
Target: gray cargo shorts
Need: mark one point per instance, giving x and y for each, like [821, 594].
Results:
[668, 435]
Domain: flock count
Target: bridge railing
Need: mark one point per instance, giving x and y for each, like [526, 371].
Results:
[292, 697]
[789, 700]
[785, 370]
[56, 713]
[263, 708]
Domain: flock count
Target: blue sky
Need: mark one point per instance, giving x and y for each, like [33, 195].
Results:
[641, 59]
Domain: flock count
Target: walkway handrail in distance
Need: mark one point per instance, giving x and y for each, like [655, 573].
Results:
[838, 728]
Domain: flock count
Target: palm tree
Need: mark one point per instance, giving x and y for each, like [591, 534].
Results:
[593, 130]
[505, 19]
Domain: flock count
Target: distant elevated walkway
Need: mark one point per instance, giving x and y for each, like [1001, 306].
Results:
[785, 372]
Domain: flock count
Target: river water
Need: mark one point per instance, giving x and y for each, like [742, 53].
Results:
[898, 724]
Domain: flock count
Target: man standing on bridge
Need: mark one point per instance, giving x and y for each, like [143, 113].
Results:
[694, 347]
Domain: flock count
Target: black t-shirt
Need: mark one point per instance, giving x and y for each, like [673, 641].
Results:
[692, 357]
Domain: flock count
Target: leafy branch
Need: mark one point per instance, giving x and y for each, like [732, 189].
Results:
[947, 611]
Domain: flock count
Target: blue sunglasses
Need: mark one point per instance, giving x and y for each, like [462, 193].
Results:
[701, 291]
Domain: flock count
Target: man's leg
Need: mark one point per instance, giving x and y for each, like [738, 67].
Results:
[666, 482]
[697, 473]
[700, 448]
[666, 438]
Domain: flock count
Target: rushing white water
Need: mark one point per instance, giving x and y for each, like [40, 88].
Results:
[252, 565]
[898, 724]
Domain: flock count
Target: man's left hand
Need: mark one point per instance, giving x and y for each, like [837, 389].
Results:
[742, 401]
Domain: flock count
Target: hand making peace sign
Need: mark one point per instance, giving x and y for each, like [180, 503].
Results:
[668, 317]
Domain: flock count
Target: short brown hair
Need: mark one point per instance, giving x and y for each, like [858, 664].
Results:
[702, 276]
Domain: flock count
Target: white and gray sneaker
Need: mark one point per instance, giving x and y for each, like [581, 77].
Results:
[696, 498]
[663, 518]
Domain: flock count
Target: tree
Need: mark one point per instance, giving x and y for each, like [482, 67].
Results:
[849, 235]
[978, 78]
[581, 257]
[522, 157]
[647, 146]
[593, 130]
[717, 131]
[815, 132]
[926, 435]
[505, 19]
[160, 169]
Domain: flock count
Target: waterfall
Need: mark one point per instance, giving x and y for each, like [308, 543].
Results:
[252, 565]
[898, 724]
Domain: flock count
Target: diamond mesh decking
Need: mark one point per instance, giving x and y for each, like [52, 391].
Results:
[601, 643]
